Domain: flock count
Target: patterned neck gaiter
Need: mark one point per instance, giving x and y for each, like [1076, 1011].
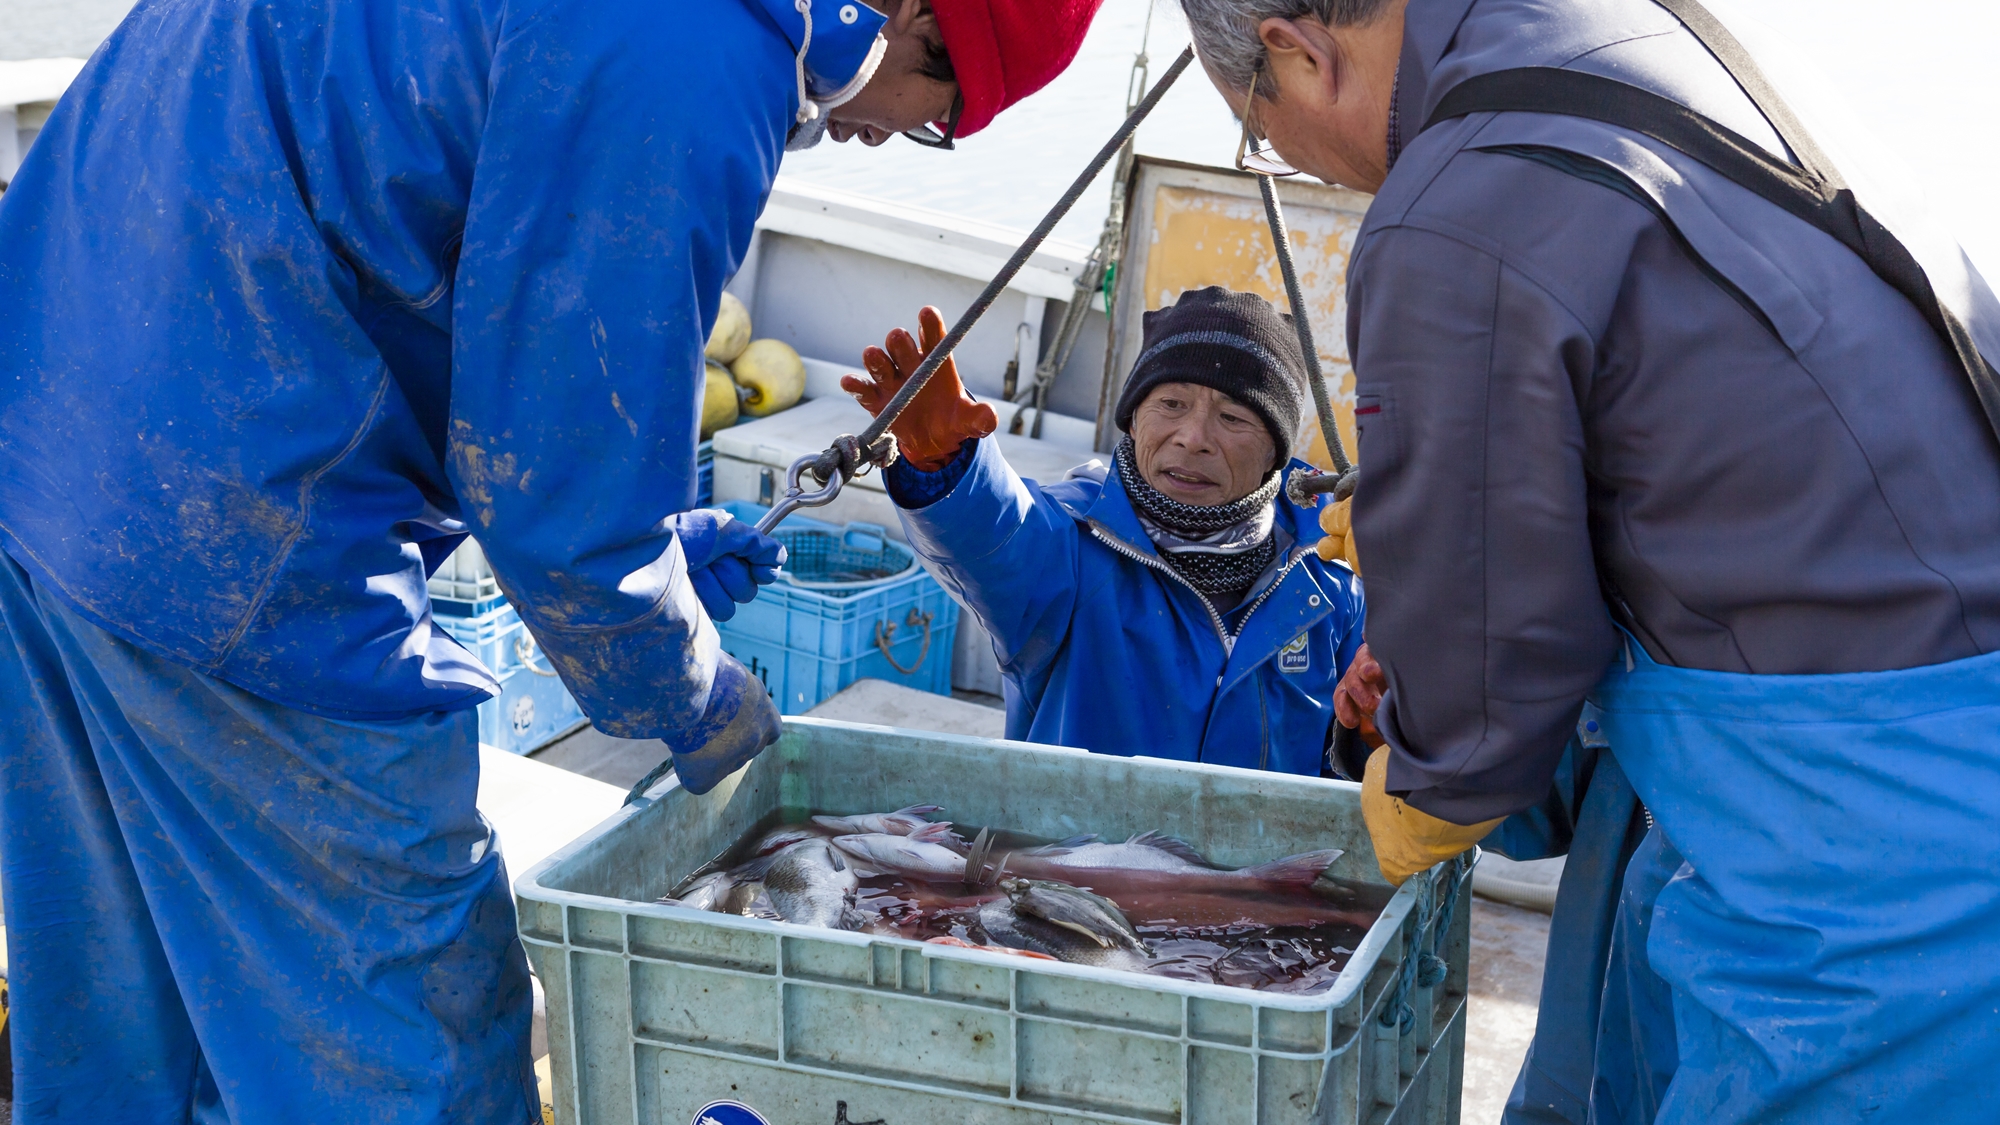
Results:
[1221, 550]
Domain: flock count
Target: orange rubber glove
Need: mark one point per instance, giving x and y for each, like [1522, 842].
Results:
[942, 416]
[1408, 839]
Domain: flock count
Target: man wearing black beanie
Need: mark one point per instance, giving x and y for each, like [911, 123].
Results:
[1172, 607]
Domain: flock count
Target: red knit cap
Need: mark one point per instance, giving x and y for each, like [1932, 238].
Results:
[1004, 50]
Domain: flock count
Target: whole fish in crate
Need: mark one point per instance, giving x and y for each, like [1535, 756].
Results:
[903, 822]
[1064, 922]
[811, 884]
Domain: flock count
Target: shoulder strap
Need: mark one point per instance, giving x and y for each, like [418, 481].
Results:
[1813, 190]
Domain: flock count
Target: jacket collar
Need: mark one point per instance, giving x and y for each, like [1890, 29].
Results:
[839, 48]
[1428, 28]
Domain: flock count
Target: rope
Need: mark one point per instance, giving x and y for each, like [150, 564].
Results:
[1429, 927]
[1293, 293]
[807, 110]
[871, 445]
[885, 635]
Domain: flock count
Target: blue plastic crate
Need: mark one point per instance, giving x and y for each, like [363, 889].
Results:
[808, 637]
[534, 707]
[533, 710]
[704, 464]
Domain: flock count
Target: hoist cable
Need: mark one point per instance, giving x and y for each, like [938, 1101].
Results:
[1322, 403]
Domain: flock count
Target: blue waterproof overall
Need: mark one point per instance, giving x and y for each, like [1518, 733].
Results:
[1604, 1038]
[214, 901]
[1832, 941]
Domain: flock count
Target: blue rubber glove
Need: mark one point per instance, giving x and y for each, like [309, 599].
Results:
[740, 722]
[727, 559]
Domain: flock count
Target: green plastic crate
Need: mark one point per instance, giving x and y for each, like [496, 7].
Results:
[656, 1011]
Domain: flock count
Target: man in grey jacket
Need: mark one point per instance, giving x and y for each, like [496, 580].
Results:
[1625, 405]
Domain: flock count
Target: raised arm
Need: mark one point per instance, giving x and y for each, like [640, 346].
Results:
[1005, 550]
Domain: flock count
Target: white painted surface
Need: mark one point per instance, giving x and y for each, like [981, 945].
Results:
[36, 80]
[536, 808]
[893, 705]
[28, 91]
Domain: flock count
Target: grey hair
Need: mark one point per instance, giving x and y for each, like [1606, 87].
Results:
[1225, 31]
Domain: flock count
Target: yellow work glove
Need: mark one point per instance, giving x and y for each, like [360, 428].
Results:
[1407, 839]
[1337, 520]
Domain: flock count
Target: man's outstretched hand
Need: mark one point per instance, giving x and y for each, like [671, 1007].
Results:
[942, 416]
[1359, 694]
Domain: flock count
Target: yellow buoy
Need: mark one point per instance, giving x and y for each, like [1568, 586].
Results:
[732, 331]
[774, 375]
[718, 400]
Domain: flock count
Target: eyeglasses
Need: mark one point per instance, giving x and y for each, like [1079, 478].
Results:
[929, 137]
[1253, 154]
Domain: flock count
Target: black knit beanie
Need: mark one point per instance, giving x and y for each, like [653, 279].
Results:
[1236, 343]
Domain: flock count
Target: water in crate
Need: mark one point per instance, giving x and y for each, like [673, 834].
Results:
[1149, 904]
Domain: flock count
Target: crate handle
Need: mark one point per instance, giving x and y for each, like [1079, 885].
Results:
[874, 537]
[524, 647]
[885, 633]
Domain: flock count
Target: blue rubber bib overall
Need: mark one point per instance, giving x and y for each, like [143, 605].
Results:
[1833, 940]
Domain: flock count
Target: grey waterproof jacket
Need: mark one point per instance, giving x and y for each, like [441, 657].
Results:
[1599, 383]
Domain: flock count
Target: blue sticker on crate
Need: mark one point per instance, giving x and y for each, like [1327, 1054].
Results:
[728, 1113]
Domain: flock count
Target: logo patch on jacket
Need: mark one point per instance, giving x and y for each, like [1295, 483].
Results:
[1295, 658]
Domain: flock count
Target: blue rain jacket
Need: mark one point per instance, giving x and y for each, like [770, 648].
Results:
[293, 295]
[1103, 648]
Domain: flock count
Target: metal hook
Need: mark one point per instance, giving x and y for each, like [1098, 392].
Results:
[797, 497]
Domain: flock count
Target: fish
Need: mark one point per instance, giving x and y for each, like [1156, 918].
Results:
[902, 822]
[879, 853]
[1280, 877]
[1064, 922]
[961, 943]
[703, 893]
[811, 884]
[724, 892]
[1173, 875]
[1148, 851]
[1210, 912]
[780, 838]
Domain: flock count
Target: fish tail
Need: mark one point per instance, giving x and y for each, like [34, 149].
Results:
[1300, 870]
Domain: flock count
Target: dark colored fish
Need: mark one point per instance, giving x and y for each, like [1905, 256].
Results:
[1064, 922]
[810, 884]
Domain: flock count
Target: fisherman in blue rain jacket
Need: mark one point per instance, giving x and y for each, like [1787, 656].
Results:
[1172, 605]
[293, 297]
